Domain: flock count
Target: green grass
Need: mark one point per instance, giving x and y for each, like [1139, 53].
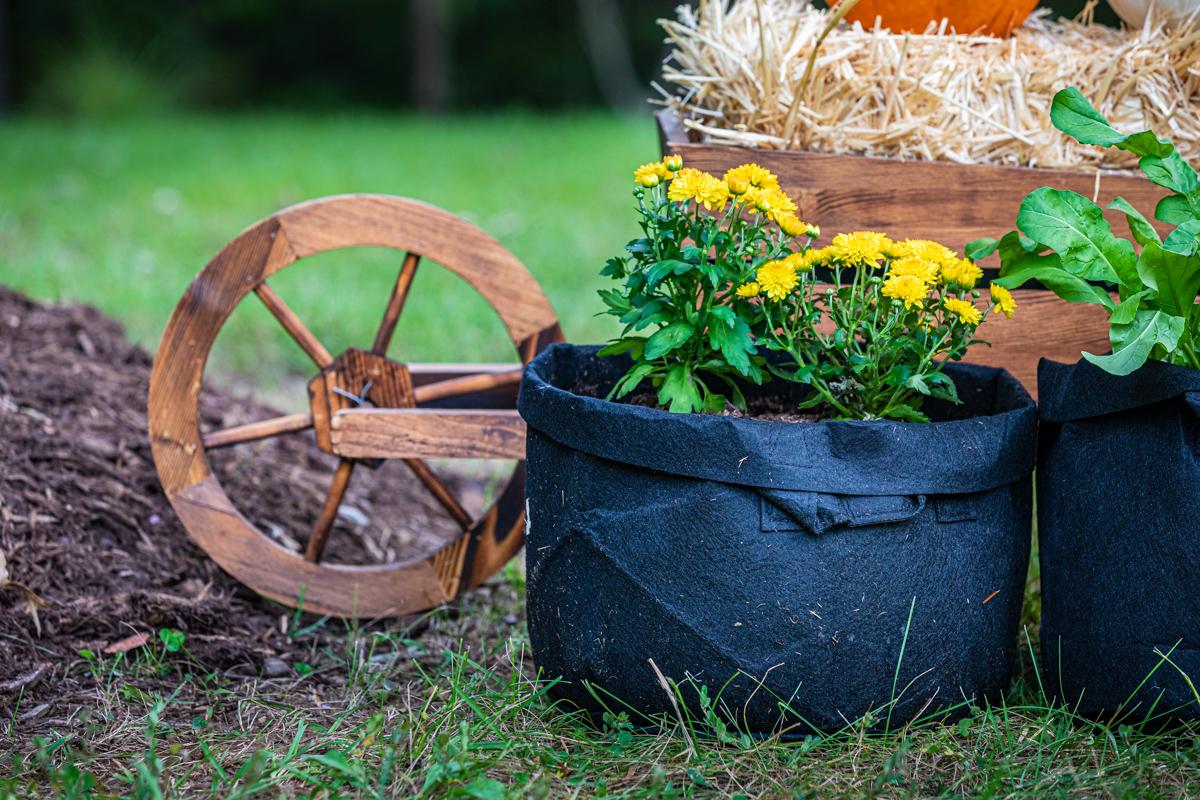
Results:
[456, 714]
[123, 214]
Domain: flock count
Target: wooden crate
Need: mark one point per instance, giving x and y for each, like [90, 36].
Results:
[950, 203]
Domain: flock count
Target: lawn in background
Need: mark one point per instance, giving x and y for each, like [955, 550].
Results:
[123, 214]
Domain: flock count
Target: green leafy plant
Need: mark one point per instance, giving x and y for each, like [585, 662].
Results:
[703, 237]
[172, 640]
[1063, 241]
[873, 344]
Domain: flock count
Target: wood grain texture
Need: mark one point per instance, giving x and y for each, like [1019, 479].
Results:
[292, 324]
[428, 433]
[391, 315]
[950, 203]
[352, 591]
[1043, 327]
[333, 501]
[353, 376]
[440, 491]
[437, 235]
[466, 384]
[239, 269]
[255, 431]
[502, 395]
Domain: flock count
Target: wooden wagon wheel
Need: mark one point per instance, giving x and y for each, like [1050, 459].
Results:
[396, 423]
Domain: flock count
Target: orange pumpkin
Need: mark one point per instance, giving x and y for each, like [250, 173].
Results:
[989, 17]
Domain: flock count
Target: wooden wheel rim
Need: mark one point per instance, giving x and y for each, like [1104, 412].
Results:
[262, 250]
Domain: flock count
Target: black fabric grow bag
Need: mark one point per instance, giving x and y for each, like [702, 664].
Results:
[780, 558]
[1118, 533]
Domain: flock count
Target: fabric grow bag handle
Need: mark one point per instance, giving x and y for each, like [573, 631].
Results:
[818, 513]
[875, 458]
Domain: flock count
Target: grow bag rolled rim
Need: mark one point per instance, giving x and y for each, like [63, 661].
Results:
[1079, 391]
[865, 458]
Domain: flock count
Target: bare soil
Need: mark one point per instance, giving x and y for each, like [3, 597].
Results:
[84, 524]
[764, 408]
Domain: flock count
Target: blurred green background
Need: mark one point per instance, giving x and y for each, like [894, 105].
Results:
[136, 138]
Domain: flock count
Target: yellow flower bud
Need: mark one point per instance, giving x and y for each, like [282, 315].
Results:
[673, 162]
[738, 186]
[791, 225]
[650, 175]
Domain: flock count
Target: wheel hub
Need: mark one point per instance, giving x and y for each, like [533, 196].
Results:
[356, 378]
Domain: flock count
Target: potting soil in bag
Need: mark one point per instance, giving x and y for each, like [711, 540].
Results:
[806, 574]
[1118, 532]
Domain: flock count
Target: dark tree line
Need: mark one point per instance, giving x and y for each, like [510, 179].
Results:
[76, 55]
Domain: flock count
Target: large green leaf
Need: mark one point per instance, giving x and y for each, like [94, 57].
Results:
[1012, 245]
[1139, 226]
[734, 343]
[1185, 239]
[679, 392]
[1148, 329]
[1048, 271]
[661, 269]
[1074, 227]
[1175, 278]
[1171, 172]
[1072, 114]
[1174, 209]
[667, 339]
[1126, 311]
[636, 374]
[980, 248]
[629, 344]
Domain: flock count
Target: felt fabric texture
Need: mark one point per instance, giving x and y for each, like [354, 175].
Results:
[775, 563]
[1118, 523]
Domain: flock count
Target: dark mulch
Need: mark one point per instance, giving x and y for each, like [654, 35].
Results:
[85, 526]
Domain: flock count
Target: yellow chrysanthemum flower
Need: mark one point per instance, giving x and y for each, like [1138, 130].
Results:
[961, 271]
[776, 279]
[770, 201]
[925, 271]
[804, 261]
[861, 248]
[748, 289]
[965, 310]
[907, 289]
[924, 249]
[754, 175]
[648, 175]
[711, 192]
[685, 185]
[673, 162]
[1003, 300]
[792, 225]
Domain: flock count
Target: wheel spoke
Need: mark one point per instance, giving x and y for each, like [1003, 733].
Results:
[333, 500]
[454, 387]
[253, 431]
[387, 326]
[439, 491]
[292, 324]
